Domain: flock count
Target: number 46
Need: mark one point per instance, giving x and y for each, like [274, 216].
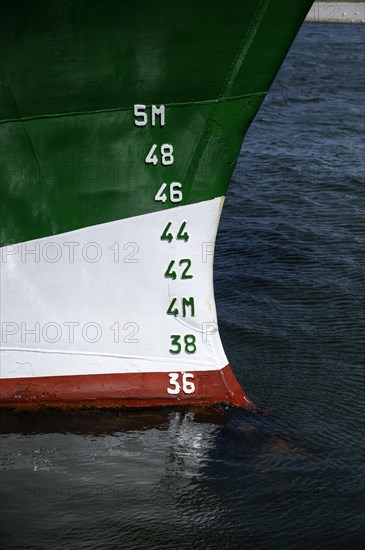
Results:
[166, 152]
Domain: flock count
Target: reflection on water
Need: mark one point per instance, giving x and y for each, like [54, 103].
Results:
[129, 473]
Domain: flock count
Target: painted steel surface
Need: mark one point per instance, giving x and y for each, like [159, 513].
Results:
[71, 73]
[120, 127]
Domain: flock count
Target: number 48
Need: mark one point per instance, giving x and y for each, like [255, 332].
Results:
[166, 153]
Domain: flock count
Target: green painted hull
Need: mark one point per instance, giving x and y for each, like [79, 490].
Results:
[71, 73]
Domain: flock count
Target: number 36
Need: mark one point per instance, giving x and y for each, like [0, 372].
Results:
[184, 384]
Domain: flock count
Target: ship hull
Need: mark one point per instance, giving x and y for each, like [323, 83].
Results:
[121, 390]
[116, 167]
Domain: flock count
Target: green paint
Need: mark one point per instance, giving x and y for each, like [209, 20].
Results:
[182, 234]
[188, 303]
[167, 235]
[172, 310]
[175, 341]
[189, 344]
[187, 263]
[170, 273]
[189, 341]
[71, 72]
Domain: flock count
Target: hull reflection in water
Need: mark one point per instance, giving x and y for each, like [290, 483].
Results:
[189, 438]
[87, 475]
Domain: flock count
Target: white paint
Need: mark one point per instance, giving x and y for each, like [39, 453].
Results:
[158, 112]
[337, 12]
[187, 386]
[140, 112]
[161, 195]
[166, 153]
[151, 157]
[75, 316]
[174, 377]
[174, 192]
[167, 157]
[141, 116]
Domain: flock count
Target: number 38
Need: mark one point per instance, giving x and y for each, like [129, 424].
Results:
[189, 345]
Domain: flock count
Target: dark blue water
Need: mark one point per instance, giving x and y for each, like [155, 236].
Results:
[289, 289]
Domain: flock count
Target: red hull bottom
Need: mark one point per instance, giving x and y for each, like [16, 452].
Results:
[120, 390]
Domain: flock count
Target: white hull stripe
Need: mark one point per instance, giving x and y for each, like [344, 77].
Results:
[95, 300]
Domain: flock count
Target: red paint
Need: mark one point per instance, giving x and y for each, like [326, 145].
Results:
[118, 390]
